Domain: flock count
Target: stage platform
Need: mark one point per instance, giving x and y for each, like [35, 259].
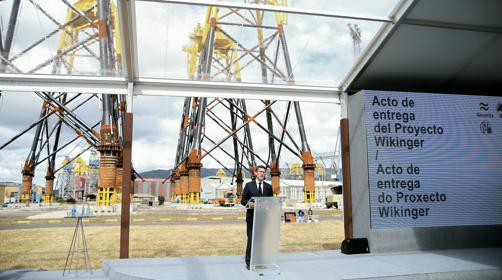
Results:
[446, 264]
[484, 263]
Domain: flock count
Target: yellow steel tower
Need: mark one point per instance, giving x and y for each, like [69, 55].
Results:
[214, 53]
[87, 22]
[101, 20]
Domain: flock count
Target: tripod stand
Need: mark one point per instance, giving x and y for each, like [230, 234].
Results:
[78, 246]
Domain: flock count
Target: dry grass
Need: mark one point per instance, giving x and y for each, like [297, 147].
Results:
[46, 248]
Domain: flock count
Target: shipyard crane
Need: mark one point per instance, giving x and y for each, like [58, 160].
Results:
[355, 34]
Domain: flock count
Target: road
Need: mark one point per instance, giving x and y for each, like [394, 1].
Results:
[40, 217]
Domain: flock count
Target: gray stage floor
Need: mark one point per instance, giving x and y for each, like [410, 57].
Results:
[445, 264]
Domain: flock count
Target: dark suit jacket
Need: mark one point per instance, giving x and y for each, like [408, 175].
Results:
[251, 190]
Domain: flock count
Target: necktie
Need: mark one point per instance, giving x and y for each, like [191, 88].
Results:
[259, 188]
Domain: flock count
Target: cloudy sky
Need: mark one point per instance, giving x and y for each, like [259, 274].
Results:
[320, 50]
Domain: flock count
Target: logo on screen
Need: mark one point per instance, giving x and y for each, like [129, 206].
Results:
[485, 127]
[483, 108]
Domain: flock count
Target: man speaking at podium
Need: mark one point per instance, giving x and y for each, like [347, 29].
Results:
[257, 187]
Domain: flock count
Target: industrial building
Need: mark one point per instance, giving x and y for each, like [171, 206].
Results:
[9, 193]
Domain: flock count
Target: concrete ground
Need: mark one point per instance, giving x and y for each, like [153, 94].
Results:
[483, 263]
[26, 274]
[445, 264]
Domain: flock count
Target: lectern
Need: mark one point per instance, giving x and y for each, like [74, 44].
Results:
[266, 235]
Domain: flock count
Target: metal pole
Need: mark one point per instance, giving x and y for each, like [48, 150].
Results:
[259, 21]
[10, 33]
[233, 122]
[270, 127]
[126, 188]
[183, 129]
[37, 134]
[206, 70]
[196, 144]
[52, 160]
[347, 190]
[301, 128]
[291, 79]
[103, 13]
[29, 165]
[248, 133]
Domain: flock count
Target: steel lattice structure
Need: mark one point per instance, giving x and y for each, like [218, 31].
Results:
[215, 53]
[91, 27]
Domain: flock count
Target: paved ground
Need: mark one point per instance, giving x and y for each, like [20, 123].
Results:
[484, 263]
[24, 274]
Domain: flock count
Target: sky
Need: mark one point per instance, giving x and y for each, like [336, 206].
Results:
[320, 50]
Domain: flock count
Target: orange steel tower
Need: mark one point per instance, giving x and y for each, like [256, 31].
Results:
[230, 45]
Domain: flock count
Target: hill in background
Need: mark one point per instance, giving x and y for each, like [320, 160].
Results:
[205, 172]
[164, 173]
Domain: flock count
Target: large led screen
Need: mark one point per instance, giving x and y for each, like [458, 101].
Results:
[434, 159]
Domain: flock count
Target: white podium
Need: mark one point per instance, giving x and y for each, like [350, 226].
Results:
[266, 235]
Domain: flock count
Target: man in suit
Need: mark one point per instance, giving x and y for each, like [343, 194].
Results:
[257, 187]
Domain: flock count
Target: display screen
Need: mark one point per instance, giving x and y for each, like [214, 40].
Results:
[434, 159]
